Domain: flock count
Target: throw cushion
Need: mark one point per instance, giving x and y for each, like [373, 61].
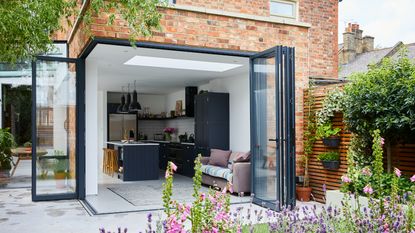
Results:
[219, 172]
[219, 157]
[238, 157]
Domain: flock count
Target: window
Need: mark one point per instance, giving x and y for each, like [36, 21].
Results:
[283, 8]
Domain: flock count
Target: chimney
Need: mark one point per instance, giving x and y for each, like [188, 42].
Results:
[354, 43]
[368, 43]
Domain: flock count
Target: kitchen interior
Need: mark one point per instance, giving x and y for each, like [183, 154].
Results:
[145, 107]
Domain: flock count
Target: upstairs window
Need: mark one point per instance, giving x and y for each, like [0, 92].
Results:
[283, 8]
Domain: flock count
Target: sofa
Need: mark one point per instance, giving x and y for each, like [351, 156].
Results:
[237, 172]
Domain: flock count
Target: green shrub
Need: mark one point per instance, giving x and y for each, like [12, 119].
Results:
[326, 131]
[329, 156]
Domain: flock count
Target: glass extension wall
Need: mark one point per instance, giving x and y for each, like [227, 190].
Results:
[55, 133]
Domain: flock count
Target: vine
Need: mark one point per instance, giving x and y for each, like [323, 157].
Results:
[309, 133]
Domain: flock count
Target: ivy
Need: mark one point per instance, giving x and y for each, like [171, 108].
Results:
[26, 26]
[333, 103]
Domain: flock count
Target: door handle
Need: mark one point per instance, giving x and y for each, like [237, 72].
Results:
[273, 140]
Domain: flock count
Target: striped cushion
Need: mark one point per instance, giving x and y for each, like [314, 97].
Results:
[220, 172]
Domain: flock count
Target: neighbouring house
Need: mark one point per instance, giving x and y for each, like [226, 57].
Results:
[254, 59]
[356, 53]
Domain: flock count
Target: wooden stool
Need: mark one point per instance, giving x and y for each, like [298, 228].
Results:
[113, 162]
[105, 161]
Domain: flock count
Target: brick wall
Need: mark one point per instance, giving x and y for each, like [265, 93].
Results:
[316, 47]
[254, 7]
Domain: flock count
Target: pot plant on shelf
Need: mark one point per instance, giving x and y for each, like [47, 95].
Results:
[6, 144]
[61, 172]
[328, 134]
[27, 146]
[330, 160]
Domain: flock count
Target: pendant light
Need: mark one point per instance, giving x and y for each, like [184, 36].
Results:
[135, 105]
[126, 106]
[121, 106]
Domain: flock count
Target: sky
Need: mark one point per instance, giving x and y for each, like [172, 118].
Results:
[389, 21]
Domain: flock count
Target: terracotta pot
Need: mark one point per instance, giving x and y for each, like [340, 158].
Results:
[60, 179]
[303, 193]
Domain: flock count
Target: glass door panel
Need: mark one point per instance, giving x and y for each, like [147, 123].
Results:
[55, 159]
[265, 129]
[273, 127]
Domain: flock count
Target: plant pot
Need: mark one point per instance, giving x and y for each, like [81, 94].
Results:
[331, 141]
[331, 165]
[4, 177]
[60, 179]
[303, 193]
[28, 149]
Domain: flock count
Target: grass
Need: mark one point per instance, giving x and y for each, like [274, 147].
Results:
[258, 228]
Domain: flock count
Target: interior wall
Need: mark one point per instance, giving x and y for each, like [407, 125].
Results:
[91, 128]
[172, 98]
[238, 89]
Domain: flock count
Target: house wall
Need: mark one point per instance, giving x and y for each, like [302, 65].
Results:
[242, 25]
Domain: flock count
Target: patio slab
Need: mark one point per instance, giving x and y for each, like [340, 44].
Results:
[19, 214]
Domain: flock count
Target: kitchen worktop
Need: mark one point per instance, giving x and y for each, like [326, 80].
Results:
[146, 143]
[135, 143]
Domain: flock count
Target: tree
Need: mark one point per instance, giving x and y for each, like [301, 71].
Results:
[26, 26]
[383, 98]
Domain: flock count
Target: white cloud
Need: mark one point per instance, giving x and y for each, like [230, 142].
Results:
[389, 21]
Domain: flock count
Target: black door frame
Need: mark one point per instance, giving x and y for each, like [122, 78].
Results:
[285, 126]
[80, 98]
[80, 131]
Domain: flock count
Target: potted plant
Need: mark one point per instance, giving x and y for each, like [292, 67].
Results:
[168, 132]
[330, 160]
[28, 146]
[328, 134]
[61, 172]
[6, 144]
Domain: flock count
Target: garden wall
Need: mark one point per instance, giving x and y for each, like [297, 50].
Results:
[403, 156]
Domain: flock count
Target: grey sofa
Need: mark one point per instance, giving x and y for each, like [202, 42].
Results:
[239, 176]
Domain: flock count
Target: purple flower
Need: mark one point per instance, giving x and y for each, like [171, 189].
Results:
[366, 171]
[324, 188]
[368, 189]
[382, 141]
[412, 178]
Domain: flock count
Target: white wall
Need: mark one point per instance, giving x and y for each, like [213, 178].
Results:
[172, 98]
[91, 128]
[238, 89]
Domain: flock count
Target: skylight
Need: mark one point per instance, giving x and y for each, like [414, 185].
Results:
[173, 63]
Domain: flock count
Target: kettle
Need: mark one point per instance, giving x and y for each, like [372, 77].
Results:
[191, 138]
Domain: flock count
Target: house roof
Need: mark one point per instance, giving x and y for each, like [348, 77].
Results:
[361, 62]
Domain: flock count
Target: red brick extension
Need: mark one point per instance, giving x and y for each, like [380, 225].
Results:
[316, 47]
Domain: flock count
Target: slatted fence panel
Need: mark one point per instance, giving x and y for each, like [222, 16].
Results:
[403, 156]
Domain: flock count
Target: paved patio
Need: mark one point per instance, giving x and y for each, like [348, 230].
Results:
[19, 214]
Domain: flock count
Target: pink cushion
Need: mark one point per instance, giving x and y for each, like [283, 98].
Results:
[219, 157]
[238, 157]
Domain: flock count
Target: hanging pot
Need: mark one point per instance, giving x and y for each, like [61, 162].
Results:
[135, 105]
[332, 141]
[331, 165]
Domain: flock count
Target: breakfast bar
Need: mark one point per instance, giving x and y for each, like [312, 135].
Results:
[136, 160]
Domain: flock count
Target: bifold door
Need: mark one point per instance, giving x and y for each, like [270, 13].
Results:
[56, 131]
[273, 127]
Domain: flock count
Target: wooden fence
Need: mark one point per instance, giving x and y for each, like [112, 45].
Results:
[403, 156]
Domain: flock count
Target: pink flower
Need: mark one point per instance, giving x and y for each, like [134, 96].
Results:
[366, 171]
[382, 141]
[346, 179]
[397, 172]
[368, 189]
[412, 180]
[203, 196]
[167, 174]
[230, 187]
[173, 166]
[224, 190]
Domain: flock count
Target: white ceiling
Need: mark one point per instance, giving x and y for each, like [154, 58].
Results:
[113, 74]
